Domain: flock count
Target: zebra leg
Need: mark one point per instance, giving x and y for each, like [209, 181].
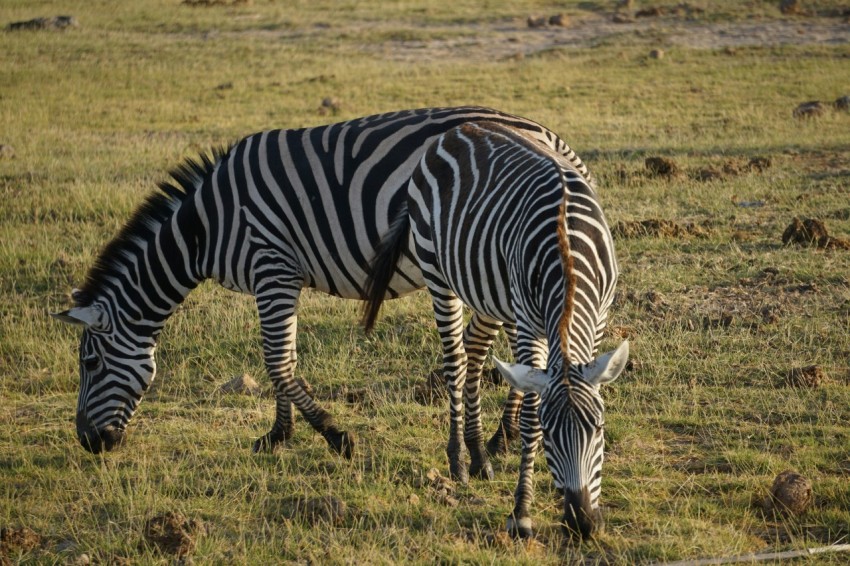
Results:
[477, 339]
[530, 351]
[508, 429]
[448, 311]
[519, 522]
[276, 302]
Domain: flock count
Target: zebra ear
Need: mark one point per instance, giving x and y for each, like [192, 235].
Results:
[607, 367]
[525, 378]
[90, 317]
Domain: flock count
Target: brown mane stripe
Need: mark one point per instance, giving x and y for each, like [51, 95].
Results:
[569, 282]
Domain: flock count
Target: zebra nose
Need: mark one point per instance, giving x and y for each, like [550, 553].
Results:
[580, 519]
[96, 441]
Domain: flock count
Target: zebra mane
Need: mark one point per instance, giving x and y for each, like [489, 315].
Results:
[569, 280]
[157, 208]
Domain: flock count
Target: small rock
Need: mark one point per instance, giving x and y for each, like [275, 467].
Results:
[242, 385]
[789, 7]
[559, 20]
[7, 151]
[842, 103]
[413, 499]
[82, 560]
[661, 166]
[330, 105]
[809, 376]
[536, 21]
[810, 109]
[656, 54]
[791, 494]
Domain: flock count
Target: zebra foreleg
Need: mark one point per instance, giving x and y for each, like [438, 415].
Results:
[478, 337]
[448, 311]
[278, 321]
[519, 522]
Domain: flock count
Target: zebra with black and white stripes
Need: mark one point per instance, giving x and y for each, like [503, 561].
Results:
[280, 211]
[515, 232]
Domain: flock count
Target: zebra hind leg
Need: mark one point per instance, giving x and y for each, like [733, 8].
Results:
[448, 311]
[508, 429]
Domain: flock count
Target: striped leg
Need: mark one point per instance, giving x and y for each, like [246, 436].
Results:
[477, 339]
[519, 522]
[277, 299]
[508, 429]
[448, 311]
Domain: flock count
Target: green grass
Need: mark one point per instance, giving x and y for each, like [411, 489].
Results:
[696, 431]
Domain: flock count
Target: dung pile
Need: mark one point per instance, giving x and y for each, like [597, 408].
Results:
[809, 376]
[326, 509]
[790, 495]
[173, 533]
[432, 391]
[810, 232]
[16, 541]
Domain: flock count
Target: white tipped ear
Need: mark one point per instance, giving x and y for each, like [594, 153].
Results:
[607, 367]
[90, 317]
[525, 378]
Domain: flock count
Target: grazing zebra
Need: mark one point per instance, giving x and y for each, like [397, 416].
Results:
[279, 211]
[515, 232]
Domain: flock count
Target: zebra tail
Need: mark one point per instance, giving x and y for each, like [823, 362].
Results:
[383, 267]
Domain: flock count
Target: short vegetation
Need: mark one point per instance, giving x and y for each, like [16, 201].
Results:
[727, 322]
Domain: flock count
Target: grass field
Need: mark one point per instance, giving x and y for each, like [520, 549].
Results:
[717, 309]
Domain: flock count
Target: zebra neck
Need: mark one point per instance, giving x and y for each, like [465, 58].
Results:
[163, 271]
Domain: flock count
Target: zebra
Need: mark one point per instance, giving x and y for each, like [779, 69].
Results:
[278, 211]
[515, 232]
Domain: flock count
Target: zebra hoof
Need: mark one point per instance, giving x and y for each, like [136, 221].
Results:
[268, 443]
[520, 528]
[497, 446]
[459, 472]
[341, 442]
[482, 471]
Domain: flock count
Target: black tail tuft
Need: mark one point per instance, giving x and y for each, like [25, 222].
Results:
[383, 266]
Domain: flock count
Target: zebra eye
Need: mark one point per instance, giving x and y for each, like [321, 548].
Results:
[91, 363]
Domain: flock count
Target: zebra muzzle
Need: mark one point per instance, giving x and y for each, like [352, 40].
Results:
[96, 441]
[581, 520]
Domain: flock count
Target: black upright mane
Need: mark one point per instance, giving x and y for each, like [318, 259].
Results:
[147, 219]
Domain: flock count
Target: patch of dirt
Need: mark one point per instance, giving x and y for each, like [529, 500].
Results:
[173, 533]
[512, 39]
[658, 228]
[17, 541]
[810, 232]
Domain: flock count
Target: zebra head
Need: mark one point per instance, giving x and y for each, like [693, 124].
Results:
[116, 368]
[572, 417]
